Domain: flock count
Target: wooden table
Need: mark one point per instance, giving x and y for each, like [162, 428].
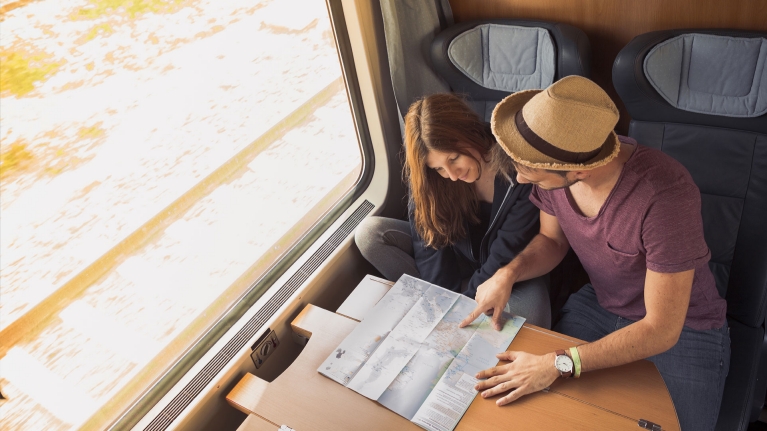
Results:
[304, 400]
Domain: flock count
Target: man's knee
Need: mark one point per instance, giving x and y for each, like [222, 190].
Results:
[583, 318]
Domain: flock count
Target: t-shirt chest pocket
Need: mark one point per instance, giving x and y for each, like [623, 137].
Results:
[625, 256]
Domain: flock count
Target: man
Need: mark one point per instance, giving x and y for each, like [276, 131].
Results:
[632, 215]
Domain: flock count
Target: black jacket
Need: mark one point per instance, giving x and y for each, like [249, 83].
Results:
[513, 223]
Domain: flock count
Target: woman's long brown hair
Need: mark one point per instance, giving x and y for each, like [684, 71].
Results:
[445, 123]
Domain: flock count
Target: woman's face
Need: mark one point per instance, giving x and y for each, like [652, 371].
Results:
[455, 166]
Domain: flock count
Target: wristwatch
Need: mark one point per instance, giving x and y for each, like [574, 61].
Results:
[563, 364]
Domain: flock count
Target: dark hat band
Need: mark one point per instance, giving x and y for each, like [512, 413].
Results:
[547, 149]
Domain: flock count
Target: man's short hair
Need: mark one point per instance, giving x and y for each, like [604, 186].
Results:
[560, 173]
[517, 166]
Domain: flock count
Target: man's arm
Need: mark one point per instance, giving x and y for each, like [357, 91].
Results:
[544, 252]
[667, 297]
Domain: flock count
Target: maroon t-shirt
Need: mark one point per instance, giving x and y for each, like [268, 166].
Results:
[650, 220]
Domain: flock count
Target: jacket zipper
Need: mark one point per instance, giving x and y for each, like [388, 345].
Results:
[490, 226]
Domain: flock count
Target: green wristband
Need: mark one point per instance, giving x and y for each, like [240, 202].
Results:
[576, 362]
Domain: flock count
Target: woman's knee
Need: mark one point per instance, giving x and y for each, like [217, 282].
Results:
[368, 235]
[535, 290]
[530, 299]
[376, 235]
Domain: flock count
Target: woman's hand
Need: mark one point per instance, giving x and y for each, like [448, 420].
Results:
[525, 374]
[491, 297]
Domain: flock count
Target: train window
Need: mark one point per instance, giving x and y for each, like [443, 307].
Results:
[158, 156]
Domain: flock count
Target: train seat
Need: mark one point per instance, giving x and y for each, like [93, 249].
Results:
[701, 97]
[485, 60]
[490, 59]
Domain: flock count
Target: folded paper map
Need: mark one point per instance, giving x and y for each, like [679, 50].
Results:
[410, 355]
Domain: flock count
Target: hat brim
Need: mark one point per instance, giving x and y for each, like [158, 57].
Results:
[506, 133]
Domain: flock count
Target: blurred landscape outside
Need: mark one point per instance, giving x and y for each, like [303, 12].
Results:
[156, 157]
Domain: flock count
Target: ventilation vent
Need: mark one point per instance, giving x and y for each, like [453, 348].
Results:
[193, 388]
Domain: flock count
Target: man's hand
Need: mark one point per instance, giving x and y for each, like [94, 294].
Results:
[525, 374]
[492, 296]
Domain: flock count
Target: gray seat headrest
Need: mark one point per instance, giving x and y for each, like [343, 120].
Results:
[504, 57]
[711, 74]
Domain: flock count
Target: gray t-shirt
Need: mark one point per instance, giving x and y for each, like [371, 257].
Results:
[650, 220]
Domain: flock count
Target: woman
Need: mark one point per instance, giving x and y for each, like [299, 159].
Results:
[467, 215]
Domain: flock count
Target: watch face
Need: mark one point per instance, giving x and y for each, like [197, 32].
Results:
[563, 363]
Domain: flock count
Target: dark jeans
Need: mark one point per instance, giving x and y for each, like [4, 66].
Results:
[694, 369]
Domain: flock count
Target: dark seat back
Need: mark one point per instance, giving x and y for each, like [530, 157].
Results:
[701, 96]
[489, 59]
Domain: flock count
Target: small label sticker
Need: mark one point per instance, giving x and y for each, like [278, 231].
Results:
[466, 383]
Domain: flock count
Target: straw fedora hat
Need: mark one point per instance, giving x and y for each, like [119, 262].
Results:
[566, 127]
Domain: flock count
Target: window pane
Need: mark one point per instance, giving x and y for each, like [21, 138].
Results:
[157, 157]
